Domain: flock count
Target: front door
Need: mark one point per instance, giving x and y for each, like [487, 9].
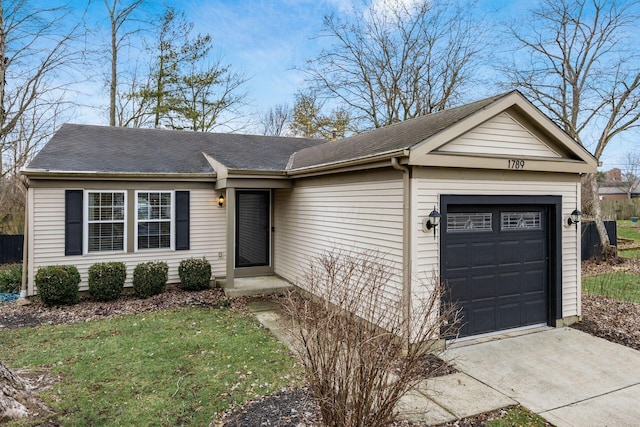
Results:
[253, 224]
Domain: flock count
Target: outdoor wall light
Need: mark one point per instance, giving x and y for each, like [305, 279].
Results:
[221, 200]
[431, 221]
[574, 218]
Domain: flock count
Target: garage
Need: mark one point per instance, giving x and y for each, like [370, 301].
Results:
[499, 261]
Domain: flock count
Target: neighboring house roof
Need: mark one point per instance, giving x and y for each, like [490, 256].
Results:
[617, 190]
[396, 137]
[84, 148]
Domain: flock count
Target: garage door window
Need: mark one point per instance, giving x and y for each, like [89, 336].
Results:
[468, 222]
[511, 221]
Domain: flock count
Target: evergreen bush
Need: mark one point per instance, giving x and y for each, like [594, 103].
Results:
[106, 280]
[11, 279]
[58, 284]
[150, 278]
[195, 274]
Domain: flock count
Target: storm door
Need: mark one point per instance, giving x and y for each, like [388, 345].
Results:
[253, 225]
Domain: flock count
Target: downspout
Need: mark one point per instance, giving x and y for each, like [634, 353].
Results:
[25, 245]
[406, 246]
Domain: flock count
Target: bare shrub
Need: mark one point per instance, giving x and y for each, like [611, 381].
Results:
[359, 352]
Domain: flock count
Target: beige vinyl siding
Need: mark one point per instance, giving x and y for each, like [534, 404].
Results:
[323, 214]
[425, 195]
[502, 135]
[207, 237]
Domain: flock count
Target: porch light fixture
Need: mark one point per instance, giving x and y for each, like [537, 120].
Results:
[221, 200]
[574, 218]
[432, 221]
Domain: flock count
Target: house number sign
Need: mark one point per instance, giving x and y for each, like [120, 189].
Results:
[516, 164]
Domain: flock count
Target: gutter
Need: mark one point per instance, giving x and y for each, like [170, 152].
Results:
[353, 162]
[406, 246]
[89, 175]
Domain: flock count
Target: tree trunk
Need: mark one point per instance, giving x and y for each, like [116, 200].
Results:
[608, 251]
[16, 399]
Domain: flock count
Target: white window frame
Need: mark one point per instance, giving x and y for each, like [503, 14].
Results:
[171, 222]
[86, 222]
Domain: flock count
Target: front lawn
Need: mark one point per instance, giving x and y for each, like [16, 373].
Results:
[170, 367]
[622, 286]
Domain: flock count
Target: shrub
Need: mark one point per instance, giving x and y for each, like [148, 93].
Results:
[150, 278]
[349, 337]
[195, 274]
[11, 279]
[106, 280]
[58, 284]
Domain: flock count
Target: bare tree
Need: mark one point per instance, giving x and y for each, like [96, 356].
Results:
[119, 13]
[630, 173]
[397, 60]
[35, 55]
[581, 66]
[359, 354]
[276, 121]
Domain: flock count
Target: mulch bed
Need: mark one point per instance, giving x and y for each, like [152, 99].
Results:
[36, 313]
[612, 320]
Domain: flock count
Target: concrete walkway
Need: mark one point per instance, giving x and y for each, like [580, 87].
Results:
[568, 377]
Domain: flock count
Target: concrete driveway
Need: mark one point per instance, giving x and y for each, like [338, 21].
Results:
[569, 377]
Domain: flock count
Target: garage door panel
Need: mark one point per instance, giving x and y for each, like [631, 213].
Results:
[457, 257]
[533, 282]
[534, 311]
[509, 284]
[482, 319]
[458, 290]
[534, 250]
[483, 287]
[509, 253]
[498, 275]
[509, 315]
[483, 254]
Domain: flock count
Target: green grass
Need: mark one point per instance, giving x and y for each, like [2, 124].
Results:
[630, 253]
[517, 417]
[621, 286]
[166, 368]
[629, 230]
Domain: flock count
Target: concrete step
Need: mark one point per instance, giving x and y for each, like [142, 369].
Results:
[252, 286]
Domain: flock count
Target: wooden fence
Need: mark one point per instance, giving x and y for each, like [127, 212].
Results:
[620, 209]
[11, 248]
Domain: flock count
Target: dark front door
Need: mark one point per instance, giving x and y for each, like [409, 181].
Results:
[253, 224]
[496, 265]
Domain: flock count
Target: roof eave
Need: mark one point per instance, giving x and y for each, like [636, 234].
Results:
[334, 166]
[92, 175]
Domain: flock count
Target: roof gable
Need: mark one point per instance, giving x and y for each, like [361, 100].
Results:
[534, 139]
[500, 135]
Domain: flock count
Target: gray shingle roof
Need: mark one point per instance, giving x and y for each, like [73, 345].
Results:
[84, 148]
[391, 138]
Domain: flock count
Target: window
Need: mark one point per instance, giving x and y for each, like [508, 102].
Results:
[521, 221]
[105, 221]
[468, 222]
[154, 220]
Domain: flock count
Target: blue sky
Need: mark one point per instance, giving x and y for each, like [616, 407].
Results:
[266, 39]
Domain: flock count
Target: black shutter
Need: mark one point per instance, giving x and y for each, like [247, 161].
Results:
[73, 222]
[182, 220]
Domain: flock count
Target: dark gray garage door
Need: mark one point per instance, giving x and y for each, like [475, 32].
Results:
[495, 263]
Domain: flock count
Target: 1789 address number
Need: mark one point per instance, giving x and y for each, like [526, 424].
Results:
[516, 164]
